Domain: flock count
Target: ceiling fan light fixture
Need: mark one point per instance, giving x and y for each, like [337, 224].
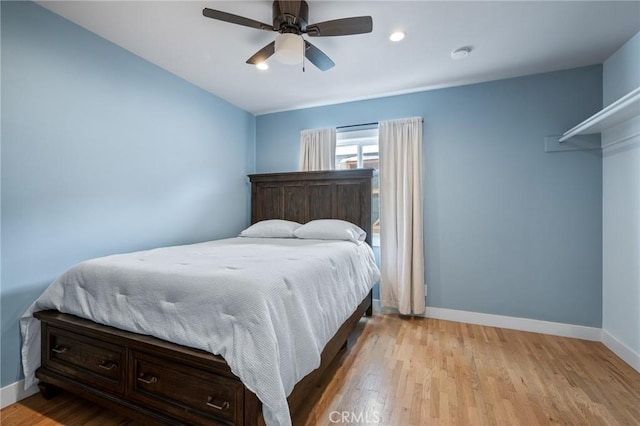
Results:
[262, 66]
[289, 48]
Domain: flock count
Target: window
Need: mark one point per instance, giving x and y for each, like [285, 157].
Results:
[358, 149]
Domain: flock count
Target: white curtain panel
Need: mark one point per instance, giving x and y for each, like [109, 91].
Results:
[402, 285]
[317, 149]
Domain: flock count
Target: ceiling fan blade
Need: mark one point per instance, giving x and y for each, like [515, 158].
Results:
[290, 7]
[235, 19]
[262, 54]
[317, 57]
[340, 27]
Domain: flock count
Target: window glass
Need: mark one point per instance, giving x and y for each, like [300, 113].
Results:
[359, 149]
[346, 157]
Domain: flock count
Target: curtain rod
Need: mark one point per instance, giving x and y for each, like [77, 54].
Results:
[374, 123]
[358, 125]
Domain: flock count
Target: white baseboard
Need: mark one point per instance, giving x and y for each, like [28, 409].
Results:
[15, 392]
[515, 323]
[625, 353]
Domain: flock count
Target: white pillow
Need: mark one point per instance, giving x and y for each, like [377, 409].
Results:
[271, 228]
[331, 229]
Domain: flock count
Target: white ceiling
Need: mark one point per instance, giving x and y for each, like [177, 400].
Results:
[508, 39]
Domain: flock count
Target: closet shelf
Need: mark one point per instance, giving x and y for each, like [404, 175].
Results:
[623, 109]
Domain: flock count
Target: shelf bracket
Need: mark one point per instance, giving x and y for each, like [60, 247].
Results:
[576, 143]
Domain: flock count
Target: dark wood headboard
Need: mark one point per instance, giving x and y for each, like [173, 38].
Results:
[305, 196]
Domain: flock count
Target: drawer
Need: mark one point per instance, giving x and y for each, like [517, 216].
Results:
[85, 359]
[201, 397]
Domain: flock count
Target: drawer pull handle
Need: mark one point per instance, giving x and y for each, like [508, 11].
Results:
[143, 378]
[107, 365]
[217, 404]
[59, 349]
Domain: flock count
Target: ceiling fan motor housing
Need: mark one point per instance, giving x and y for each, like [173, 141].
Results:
[287, 22]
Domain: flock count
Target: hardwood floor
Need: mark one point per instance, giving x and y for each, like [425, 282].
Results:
[410, 371]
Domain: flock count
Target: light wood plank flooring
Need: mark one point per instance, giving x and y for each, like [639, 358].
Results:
[409, 371]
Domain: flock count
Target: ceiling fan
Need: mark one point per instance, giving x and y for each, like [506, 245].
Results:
[290, 19]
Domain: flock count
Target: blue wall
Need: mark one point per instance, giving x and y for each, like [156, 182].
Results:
[509, 229]
[103, 152]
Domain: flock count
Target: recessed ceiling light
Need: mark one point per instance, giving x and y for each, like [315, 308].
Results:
[397, 36]
[262, 66]
[461, 53]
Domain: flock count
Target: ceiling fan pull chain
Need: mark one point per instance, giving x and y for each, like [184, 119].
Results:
[304, 50]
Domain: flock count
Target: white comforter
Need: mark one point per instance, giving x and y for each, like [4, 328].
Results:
[267, 306]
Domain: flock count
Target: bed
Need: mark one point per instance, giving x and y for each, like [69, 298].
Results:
[153, 380]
